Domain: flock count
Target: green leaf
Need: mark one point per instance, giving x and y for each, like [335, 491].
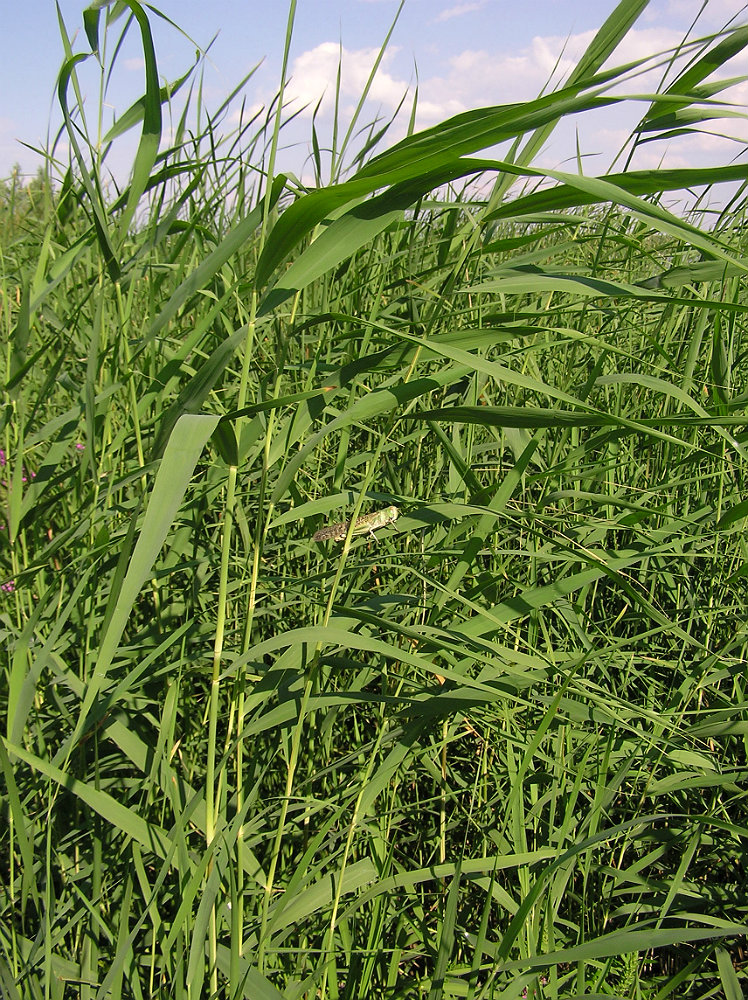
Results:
[185, 446]
[150, 137]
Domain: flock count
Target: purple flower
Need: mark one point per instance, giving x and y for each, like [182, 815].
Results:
[9, 587]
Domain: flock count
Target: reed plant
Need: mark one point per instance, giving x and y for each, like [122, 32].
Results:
[499, 748]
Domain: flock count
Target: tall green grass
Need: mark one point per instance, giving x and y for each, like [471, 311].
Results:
[498, 751]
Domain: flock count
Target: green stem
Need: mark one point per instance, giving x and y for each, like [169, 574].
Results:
[210, 773]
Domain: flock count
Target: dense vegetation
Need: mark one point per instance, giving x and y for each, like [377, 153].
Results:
[497, 750]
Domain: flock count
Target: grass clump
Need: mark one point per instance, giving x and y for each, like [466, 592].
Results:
[499, 749]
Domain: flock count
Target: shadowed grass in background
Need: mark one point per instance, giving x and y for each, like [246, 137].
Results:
[497, 750]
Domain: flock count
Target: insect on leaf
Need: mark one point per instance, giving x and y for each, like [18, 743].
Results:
[367, 523]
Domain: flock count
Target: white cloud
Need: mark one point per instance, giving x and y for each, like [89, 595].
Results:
[458, 10]
[477, 78]
[134, 64]
[481, 77]
[314, 75]
[697, 149]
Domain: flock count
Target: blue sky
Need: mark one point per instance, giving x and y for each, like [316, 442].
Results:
[466, 53]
